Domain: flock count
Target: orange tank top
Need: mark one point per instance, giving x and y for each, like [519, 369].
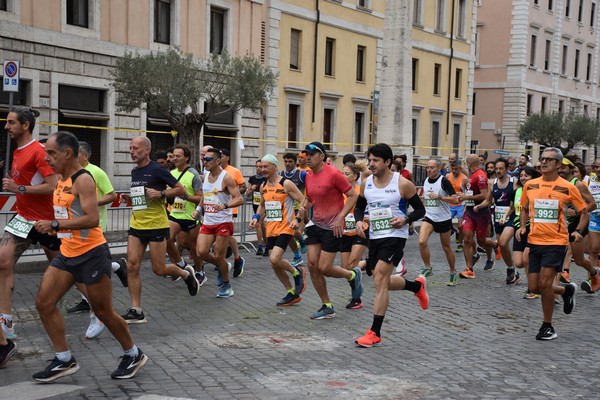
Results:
[279, 209]
[456, 182]
[67, 206]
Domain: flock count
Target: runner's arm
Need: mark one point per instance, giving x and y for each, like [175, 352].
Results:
[587, 196]
[232, 188]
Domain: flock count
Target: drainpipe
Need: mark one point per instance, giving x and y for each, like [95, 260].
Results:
[316, 43]
[450, 71]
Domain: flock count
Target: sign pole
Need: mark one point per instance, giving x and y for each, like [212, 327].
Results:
[11, 85]
[6, 158]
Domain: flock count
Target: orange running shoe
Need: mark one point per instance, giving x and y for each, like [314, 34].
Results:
[422, 293]
[564, 277]
[498, 253]
[370, 339]
[467, 274]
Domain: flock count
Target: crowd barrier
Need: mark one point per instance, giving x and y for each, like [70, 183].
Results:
[118, 217]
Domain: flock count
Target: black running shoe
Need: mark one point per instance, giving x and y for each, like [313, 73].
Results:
[354, 304]
[57, 369]
[569, 298]
[134, 317]
[546, 333]
[82, 306]
[7, 352]
[122, 271]
[191, 281]
[129, 366]
[229, 252]
[259, 252]
[238, 267]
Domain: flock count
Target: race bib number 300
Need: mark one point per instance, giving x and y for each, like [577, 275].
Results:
[545, 211]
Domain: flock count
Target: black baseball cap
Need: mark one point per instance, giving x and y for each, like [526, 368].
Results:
[314, 147]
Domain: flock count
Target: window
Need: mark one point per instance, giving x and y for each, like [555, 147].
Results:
[593, 15]
[162, 21]
[462, 18]
[576, 72]
[547, 54]
[3, 5]
[536, 2]
[415, 73]
[565, 53]
[328, 120]
[532, 51]
[567, 8]
[549, 5]
[474, 101]
[474, 146]
[293, 127]
[477, 43]
[561, 106]
[295, 49]
[584, 154]
[440, 25]
[329, 56]
[529, 103]
[415, 131]
[359, 131]
[435, 137]
[580, 12]
[588, 68]
[437, 74]
[217, 30]
[456, 137]
[360, 63]
[598, 113]
[417, 12]
[77, 12]
[457, 83]
[544, 104]
[364, 4]
[585, 110]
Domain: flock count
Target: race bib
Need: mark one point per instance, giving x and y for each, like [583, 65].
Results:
[178, 205]
[256, 198]
[546, 211]
[381, 220]
[273, 212]
[350, 223]
[431, 202]
[469, 203]
[499, 212]
[138, 198]
[62, 213]
[597, 200]
[210, 204]
[19, 226]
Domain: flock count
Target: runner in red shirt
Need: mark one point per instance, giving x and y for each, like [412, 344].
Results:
[325, 190]
[33, 182]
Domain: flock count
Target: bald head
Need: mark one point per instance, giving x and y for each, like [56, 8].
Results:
[139, 149]
[472, 161]
[142, 141]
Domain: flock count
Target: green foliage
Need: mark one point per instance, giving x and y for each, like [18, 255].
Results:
[556, 130]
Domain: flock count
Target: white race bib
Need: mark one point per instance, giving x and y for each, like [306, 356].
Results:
[350, 223]
[138, 198]
[210, 204]
[499, 212]
[19, 226]
[381, 220]
[469, 203]
[545, 211]
[273, 211]
[62, 213]
[256, 198]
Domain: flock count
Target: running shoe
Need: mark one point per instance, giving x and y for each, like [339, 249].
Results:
[459, 248]
[238, 267]
[530, 295]
[289, 299]
[129, 365]
[467, 274]
[476, 258]
[512, 277]
[356, 283]
[546, 333]
[481, 250]
[422, 293]
[57, 369]
[82, 306]
[229, 252]
[175, 278]
[192, 283]
[498, 253]
[426, 272]
[225, 291]
[489, 265]
[201, 277]
[95, 328]
[411, 229]
[453, 279]
[300, 281]
[122, 271]
[564, 276]
[369, 339]
[354, 304]
[8, 327]
[266, 253]
[324, 313]
[259, 252]
[219, 279]
[596, 281]
[296, 261]
[569, 298]
[303, 246]
[586, 286]
[134, 317]
[7, 351]
[401, 268]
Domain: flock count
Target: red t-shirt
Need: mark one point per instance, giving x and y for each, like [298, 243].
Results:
[406, 174]
[478, 181]
[29, 167]
[325, 191]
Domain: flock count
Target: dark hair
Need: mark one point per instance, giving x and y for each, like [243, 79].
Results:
[348, 158]
[355, 170]
[581, 167]
[66, 140]
[160, 154]
[186, 150]
[529, 171]
[397, 164]
[225, 152]
[290, 155]
[215, 152]
[401, 156]
[85, 148]
[483, 156]
[26, 114]
[501, 160]
[170, 149]
[382, 150]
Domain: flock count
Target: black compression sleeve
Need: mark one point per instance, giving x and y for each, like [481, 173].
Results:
[418, 209]
[359, 208]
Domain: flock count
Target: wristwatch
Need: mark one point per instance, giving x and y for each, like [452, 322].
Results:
[21, 189]
[54, 225]
[163, 193]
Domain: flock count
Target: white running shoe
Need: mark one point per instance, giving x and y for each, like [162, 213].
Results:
[96, 327]
[8, 328]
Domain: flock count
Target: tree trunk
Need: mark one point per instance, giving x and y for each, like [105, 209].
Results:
[188, 129]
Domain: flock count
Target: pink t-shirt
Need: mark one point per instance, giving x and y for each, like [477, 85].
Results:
[325, 191]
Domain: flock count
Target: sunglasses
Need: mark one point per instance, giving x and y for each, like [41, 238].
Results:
[313, 148]
[208, 159]
[547, 159]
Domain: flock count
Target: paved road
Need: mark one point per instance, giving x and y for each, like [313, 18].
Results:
[476, 341]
